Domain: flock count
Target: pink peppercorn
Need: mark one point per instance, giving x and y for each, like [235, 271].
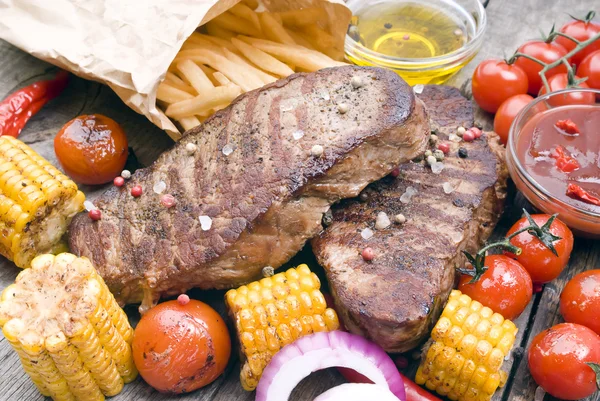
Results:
[368, 254]
[537, 287]
[119, 181]
[476, 131]
[95, 214]
[137, 191]
[183, 299]
[444, 147]
[468, 136]
[395, 172]
[168, 200]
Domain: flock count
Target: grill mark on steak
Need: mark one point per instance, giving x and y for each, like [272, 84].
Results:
[264, 205]
[394, 299]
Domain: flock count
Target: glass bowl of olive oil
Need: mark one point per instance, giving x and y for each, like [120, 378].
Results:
[424, 41]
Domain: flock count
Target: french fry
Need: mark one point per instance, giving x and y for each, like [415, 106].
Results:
[304, 58]
[320, 39]
[170, 94]
[305, 17]
[221, 78]
[189, 122]
[203, 103]
[263, 76]
[262, 59]
[253, 4]
[240, 76]
[198, 41]
[178, 83]
[243, 11]
[274, 15]
[236, 24]
[215, 30]
[194, 74]
[299, 39]
[209, 73]
[273, 30]
[220, 42]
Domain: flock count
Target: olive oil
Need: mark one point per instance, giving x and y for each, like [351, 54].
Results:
[413, 32]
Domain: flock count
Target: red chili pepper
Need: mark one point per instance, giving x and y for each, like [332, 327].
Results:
[568, 126]
[575, 191]
[18, 108]
[564, 162]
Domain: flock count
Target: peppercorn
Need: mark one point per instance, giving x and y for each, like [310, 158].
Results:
[368, 254]
[428, 153]
[183, 299]
[468, 136]
[95, 214]
[444, 147]
[395, 172]
[168, 201]
[438, 154]
[119, 181]
[463, 153]
[137, 191]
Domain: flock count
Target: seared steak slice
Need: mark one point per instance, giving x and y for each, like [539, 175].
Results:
[257, 181]
[394, 298]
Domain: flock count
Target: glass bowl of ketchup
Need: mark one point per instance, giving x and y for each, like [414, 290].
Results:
[553, 156]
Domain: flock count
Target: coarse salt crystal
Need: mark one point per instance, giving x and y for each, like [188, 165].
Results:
[298, 134]
[159, 187]
[89, 206]
[448, 188]
[205, 223]
[408, 194]
[382, 221]
[454, 138]
[418, 89]
[325, 95]
[367, 233]
[228, 149]
[437, 167]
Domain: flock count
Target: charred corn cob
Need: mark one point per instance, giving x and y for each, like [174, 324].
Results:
[470, 342]
[71, 336]
[274, 312]
[37, 203]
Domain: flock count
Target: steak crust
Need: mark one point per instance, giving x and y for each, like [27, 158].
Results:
[394, 298]
[266, 198]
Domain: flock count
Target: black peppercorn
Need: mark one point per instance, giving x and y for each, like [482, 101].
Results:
[463, 153]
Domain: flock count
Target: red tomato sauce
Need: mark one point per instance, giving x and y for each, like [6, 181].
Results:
[556, 157]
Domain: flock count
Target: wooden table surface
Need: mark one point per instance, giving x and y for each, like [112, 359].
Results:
[510, 22]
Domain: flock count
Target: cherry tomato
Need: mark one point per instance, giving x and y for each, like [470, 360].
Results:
[590, 68]
[557, 360]
[559, 82]
[546, 52]
[543, 266]
[580, 300]
[581, 31]
[92, 149]
[505, 287]
[494, 81]
[181, 346]
[506, 114]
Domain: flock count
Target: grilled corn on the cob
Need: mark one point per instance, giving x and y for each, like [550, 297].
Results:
[274, 312]
[37, 203]
[71, 336]
[470, 342]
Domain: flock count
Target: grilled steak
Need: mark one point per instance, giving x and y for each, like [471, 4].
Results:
[257, 186]
[394, 298]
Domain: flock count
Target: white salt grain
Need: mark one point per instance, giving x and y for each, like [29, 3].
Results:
[454, 138]
[418, 89]
[228, 149]
[408, 194]
[205, 223]
[383, 221]
[437, 167]
[448, 188]
[159, 187]
[298, 134]
[366, 233]
[325, 95]
[89, 206]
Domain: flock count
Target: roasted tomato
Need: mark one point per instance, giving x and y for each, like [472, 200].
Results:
[580, 300]
[180, 346]
[505, 287]
[590, 68]
[494, 81]
[581, 30]
[546, 52]
[92, 149]
[543, 266]
[558, 359]
[561, 81]
[507, 113]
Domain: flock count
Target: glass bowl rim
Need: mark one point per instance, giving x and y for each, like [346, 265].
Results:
[351, 45]
[527, 178]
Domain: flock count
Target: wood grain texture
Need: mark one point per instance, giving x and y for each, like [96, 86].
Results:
[510, 22]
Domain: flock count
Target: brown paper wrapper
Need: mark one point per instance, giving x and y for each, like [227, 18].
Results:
[127, 45]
